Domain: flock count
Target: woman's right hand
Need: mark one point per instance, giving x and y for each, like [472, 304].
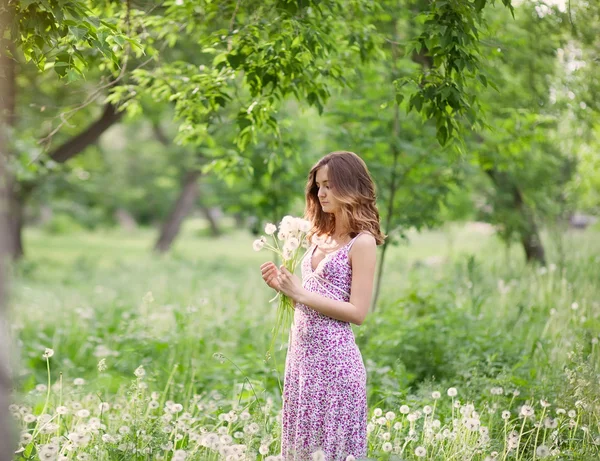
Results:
[270, 272]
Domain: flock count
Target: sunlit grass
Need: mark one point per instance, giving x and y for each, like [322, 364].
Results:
[198, 321]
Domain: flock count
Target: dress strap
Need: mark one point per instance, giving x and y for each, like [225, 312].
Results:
[351, 242]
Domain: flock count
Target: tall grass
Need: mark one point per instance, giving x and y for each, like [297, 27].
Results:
[470, 354]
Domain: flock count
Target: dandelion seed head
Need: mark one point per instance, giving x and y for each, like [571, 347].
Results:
[542, 451]
[452, 392]
[48, 353]
[420, 452]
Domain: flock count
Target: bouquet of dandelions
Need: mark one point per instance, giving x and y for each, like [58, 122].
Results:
[292, 235]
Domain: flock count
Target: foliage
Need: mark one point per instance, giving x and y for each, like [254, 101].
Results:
[474, 324]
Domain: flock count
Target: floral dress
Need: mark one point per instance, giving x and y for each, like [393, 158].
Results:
[324, 395]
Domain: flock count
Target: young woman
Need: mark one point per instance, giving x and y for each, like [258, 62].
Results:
[324, 395]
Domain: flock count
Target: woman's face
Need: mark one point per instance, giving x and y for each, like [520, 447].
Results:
[328, 202]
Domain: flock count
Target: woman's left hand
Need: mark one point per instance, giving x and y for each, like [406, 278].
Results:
[290, 284]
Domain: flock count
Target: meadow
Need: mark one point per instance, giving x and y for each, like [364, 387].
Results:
[121, 354]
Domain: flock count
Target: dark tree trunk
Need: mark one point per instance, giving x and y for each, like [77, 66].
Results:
[182, 208]
[174, 227]
[393, 174]
[528, 229]
[530, 235]
[7, 118]
[14, 219]
[215, 231]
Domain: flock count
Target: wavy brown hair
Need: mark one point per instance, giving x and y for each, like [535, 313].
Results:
[352, 185]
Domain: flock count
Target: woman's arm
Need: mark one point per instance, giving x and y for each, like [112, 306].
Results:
[363, 260]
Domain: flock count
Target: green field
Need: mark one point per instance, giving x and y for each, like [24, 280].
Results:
[455, 312]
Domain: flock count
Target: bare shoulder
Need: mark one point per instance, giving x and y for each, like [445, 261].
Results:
[364, 246]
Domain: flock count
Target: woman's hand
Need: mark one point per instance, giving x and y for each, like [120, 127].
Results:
[270, 275]
[290, 284]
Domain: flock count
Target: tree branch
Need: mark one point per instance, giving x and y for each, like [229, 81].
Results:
[89, 136]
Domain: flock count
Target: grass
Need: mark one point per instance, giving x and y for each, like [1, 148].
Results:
[469, 316]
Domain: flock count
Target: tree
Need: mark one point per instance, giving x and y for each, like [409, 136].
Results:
[527, 165]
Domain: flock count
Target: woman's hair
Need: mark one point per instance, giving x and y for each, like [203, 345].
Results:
[352, 185]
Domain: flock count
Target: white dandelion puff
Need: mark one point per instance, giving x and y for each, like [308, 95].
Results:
[48, 353]
[258, 244]
[420, 452]
[542, 451]
[527, 411]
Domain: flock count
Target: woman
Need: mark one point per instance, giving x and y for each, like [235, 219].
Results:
[324, 395]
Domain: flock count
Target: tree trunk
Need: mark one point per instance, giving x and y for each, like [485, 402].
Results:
[14, 219]
[7, 117]
[393, 173]
[528, 230]
[215, 231]
[182, 208]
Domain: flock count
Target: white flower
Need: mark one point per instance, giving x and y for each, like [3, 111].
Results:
[258, 244]
[420, 452]
[140, 372]
[472, 424]
[263, 450]
[387, 447]
[350, 458]
[575, 306]
[390, 416]
[550, 423]
[452, 392]
[506, 414]
[288, 225]
[102, 365]
[62, 410]
[542, 451]
[270, 228]
[377, 412]
[83, 413]
[48, 353]
[293, 243]
[427, 409]
[104, 407]
[404, 409]
[435, 395]
[79, 381]
[304, 225]
[526, 410]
